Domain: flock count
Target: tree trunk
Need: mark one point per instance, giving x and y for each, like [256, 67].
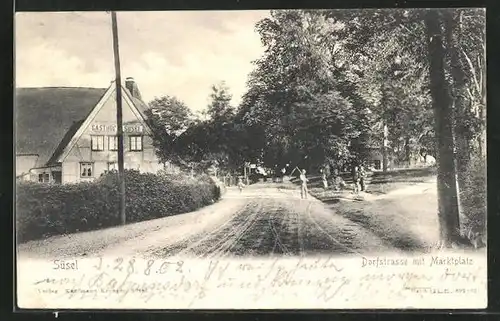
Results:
[461, 132]
[481, 141]
[385, 134]
[482, 106]
[408, 151]
[446, 180]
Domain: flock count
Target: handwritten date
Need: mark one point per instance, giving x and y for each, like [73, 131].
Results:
[149, 267]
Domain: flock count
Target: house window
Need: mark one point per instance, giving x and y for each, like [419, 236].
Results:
[86, 170]
[113, 142]
[135, 143]
[44, 178]
[97, 143]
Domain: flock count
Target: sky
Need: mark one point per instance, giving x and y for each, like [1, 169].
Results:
[179, 53]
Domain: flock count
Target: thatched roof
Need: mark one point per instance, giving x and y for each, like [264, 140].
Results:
[44, 116]
[47, 118]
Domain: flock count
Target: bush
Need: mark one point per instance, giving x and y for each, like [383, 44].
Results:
[255, 177]
[473, 198]
[45, 210]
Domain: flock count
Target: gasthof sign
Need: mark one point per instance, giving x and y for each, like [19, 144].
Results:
[112, 128]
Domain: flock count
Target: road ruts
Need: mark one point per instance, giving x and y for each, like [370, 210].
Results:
[339, 242]
[276, 222]
[203, 244]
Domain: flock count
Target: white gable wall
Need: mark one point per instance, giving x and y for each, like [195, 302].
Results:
[103, 123]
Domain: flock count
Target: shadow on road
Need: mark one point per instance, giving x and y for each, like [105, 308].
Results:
[392, 232]
[394, 220]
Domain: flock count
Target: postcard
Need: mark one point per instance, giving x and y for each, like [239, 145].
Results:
[283, 159]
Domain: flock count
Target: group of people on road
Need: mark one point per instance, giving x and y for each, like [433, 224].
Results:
[358, 176]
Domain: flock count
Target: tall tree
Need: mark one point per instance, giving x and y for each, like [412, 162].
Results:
[220, 107]
[298, 88]
[168, 117]
[447, 188]
[468, 38]
[461, 130]
[467, 108]
[171, 114]
[217, 140]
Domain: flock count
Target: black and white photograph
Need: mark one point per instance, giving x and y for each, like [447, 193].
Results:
[251, 159]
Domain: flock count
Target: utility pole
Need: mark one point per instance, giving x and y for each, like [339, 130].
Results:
[384, 128]
[119, 118]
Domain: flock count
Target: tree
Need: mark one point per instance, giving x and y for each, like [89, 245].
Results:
[447, 192]
[168, 117]
[388, 47]
[468, 125]
[467, 41]
[465, 34]
[304, 98]
[220, 108]
[217, 140]
[171, 114]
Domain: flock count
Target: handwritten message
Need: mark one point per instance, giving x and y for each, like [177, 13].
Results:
[434, 281]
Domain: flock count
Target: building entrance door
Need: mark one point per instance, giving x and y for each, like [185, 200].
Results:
[57, 176]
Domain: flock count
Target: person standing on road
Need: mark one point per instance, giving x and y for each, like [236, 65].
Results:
[240, 184]
[323, 177]
[303, 186]
[356, 179]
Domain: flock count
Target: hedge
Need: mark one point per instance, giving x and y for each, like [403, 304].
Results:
[44, 210]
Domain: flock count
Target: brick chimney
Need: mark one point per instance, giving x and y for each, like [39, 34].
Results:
[132, 88]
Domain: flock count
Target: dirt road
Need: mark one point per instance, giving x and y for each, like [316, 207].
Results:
[260, 221]
[273, 221]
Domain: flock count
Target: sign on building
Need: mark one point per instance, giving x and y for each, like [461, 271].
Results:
[112, 128]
